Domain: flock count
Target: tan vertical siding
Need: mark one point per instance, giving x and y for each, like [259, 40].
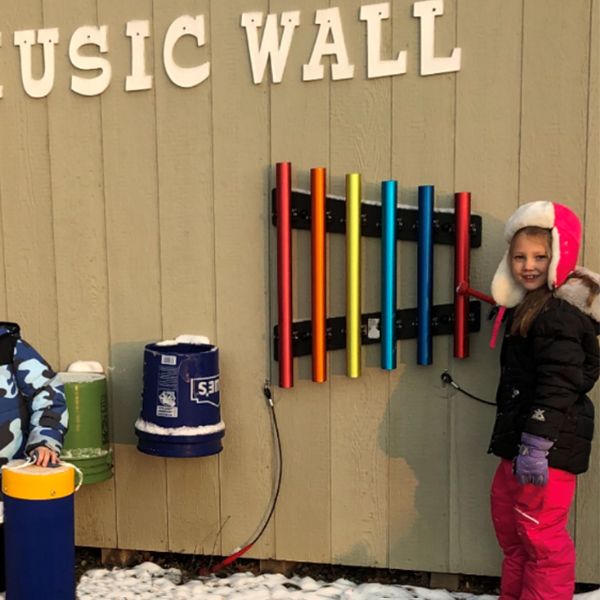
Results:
[28, 236]
[299, 126]
[133, 238]
[186, 214]
[360, 142]
[75, 147]
[587, 508]
[423, 117]
[241, 176]
[488, 104]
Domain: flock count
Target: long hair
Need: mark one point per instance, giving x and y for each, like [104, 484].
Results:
[535, 301]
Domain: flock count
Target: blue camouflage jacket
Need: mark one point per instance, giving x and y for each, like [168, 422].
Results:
[33, 410]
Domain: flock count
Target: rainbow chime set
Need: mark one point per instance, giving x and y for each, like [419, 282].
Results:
[321, 214]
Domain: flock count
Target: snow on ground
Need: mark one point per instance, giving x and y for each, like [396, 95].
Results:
[151, 582]
[148, 581]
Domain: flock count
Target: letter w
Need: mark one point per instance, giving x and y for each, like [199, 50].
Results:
[270, 47]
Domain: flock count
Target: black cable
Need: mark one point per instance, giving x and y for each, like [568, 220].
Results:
[447, 378]
[267, 394]
[274, 496]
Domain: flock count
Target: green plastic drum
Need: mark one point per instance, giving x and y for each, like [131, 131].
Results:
[86, 443]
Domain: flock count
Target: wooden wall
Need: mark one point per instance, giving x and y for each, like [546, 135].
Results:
[131, 217]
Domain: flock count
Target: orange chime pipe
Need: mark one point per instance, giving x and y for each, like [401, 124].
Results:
[318, 274]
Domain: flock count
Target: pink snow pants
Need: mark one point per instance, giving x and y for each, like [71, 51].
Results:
[531, 527]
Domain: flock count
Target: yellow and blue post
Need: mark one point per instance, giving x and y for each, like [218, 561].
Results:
[39, 531]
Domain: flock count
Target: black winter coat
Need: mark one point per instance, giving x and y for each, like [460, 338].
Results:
[545, 378]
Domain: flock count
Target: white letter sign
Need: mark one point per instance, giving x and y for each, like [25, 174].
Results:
[270, 46]
[138, 31]
[185, 77]
[37, 88]
[97, 36]
[427, 11]
[373, 14]
[329, 22]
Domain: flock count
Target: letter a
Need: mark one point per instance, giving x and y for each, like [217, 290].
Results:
[329, 22]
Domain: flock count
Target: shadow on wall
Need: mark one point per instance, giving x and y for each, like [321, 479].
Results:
[125, 389]
[435, 436]
[418, 447]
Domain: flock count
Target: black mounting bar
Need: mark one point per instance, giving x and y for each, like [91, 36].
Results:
[406, 223]
[442, 323]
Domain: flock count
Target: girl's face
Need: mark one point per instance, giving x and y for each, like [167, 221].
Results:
[529, 260]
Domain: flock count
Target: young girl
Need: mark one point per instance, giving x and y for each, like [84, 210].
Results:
[33, 410]
[545, 421]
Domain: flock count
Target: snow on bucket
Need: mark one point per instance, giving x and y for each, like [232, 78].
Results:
[181, 407]
[86, 442]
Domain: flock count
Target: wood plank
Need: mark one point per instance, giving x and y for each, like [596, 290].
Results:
[80, 248]
[302, 519]
[186, 213]
[141, 499]
[193, 505]
[554, 110]
[360, 142]
[95, 515]
[26, 191]
[490, 171]
[422, 154]
[241, 157]
[587, 507]
[133, 241]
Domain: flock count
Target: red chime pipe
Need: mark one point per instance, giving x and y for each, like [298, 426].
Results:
[318, 274]
[283, 177]
[462, 248]
[464, 290]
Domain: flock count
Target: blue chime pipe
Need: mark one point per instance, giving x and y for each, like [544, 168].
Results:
[389, 194]
[425, 274]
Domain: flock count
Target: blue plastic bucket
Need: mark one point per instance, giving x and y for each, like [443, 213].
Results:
[181, 406]
[39, 531]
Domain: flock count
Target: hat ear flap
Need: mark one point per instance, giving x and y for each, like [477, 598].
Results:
[553, 266]
[505, 290]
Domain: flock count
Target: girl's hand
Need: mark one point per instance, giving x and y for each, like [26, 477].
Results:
[44, 455]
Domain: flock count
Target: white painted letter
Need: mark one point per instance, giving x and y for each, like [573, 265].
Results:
[427, 11]
[270, 46]
[138, 31]
[37, 88]
[329, 22]
[185, 77]
[90, 34]
[373, 14]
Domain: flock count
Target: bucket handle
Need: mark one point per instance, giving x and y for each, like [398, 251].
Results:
[78, 472]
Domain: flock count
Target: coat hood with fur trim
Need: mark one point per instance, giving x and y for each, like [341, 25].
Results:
[576, 292]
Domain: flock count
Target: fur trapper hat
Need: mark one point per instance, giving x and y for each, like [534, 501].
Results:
[565, 227]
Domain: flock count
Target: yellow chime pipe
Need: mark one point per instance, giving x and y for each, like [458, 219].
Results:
[353, 308]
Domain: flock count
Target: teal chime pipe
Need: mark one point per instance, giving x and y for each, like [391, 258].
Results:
[389, 194]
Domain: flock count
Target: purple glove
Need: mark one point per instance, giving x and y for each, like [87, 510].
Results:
[531, 465]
